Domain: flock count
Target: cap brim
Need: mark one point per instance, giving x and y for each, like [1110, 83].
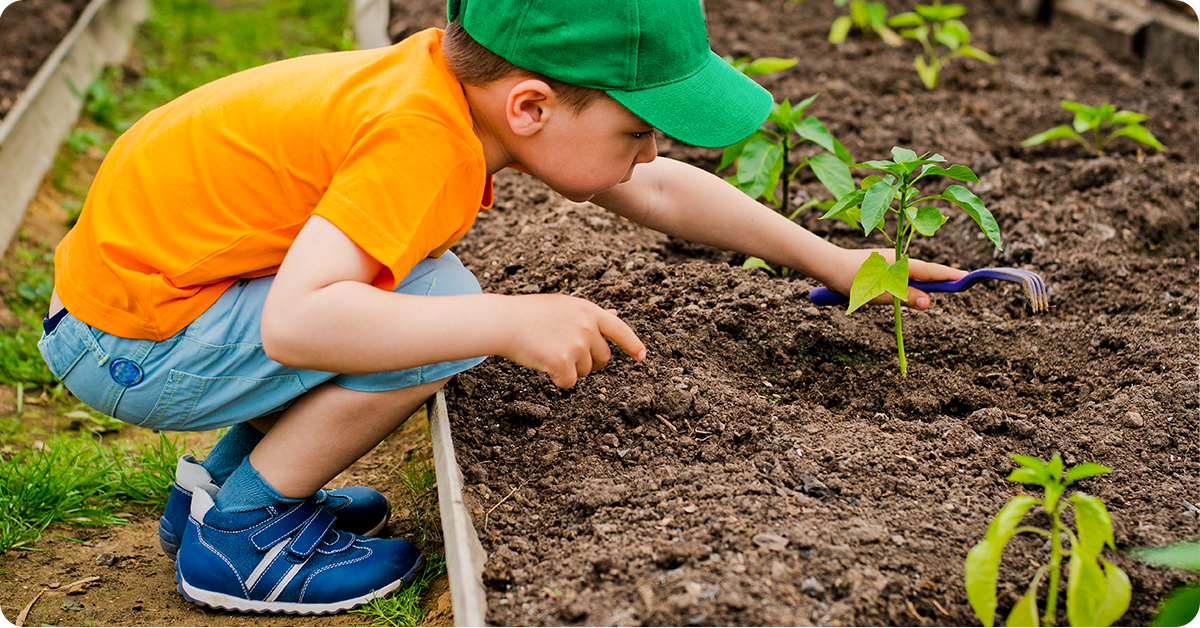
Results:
[714, 107]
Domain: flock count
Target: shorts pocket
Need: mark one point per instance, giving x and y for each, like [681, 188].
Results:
[62, 348]
[195, 403]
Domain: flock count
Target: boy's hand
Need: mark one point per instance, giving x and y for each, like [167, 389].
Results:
[917, 269]
[564, 336]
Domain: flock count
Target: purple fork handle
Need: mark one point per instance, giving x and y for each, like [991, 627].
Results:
[824, 296]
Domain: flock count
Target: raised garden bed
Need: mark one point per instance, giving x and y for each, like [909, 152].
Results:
[766, 464]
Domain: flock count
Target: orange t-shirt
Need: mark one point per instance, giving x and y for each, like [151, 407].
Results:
[214, 186]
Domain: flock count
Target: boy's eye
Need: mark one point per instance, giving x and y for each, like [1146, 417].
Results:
[641, 134]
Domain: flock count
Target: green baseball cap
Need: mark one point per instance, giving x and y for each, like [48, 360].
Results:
[652, 56]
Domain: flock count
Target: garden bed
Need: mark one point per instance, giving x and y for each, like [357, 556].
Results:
[767, 464]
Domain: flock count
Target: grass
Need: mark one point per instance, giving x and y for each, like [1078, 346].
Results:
[80, 482]
[404, 608]
[420, 492]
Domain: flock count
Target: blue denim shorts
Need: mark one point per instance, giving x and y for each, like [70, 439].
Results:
[214, 373]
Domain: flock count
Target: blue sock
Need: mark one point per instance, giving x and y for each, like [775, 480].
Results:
[247, 490]
[230, 451]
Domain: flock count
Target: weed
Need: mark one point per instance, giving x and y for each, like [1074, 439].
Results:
[80, 482]
[869, 17]
[937, 24]
[1181, 604]
[420, 493]
[404, 607]
[869, 206]
[1098, 120]
[1098, 592]
[27, 294]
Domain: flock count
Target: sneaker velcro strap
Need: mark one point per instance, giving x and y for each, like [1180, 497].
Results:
[337, 542]
[311, 534]
[283, 526]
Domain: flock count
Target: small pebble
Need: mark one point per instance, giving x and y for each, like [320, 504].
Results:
[610, 440]
[1134, 419]
[897, 539]
[812, 587]
[766, 540]
[105, 559]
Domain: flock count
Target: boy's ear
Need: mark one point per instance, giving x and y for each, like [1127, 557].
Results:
[529, 105]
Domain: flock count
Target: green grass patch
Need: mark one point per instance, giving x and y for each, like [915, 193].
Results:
[404, 607]
[421, 499]
[80, 482]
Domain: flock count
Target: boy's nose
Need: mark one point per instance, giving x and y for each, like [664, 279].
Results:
[648, 152]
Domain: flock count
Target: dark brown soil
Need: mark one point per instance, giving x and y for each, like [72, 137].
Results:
[29, 31]
[767, 464]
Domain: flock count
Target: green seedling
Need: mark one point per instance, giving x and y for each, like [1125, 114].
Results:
[935, 24]
[760, 66]
[868, 206]
[868, 17]
[1181, 605]
[1098, 592]
[1105, 123]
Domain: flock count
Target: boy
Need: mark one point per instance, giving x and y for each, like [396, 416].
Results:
[270, 251]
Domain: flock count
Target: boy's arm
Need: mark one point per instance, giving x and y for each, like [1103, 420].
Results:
[687, 202]
[323, 314]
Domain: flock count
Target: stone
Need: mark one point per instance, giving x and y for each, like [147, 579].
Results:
[812, 587]
[1134, 419]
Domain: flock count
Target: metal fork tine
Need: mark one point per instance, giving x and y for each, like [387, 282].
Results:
[1036, 289]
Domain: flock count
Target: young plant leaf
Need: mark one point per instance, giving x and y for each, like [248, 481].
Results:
[981, 567]
[876, 277]
[1180, 607]
[1127, 117]
[1006, 521]
[868, 181]
[1119, 595]
[833, 173]
[1079, 109]
[928, 220]
[755, 165]
[956, 172]
[754, 262]
[768, 65]
[1139, 133]
[903, 155]
[976, 53]
[1092, 523]
[1027, 476]
[840, 29]
[1057, 133]
[812, 130]
[1025, 612]
[843, 204]
[949, 36]
[971, 204]
[1085, 470]
[928, 74]
[908, 19]
[1031, 462]
[798, 110]
[1185, 555]
[1087, 589]
[876, 202]
[1055, 468]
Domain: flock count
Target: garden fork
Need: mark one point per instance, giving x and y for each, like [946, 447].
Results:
[1035, 288]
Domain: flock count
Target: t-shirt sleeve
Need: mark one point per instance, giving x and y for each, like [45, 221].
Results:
[405, 187]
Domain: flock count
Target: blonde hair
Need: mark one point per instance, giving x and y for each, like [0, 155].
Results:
[475, 65]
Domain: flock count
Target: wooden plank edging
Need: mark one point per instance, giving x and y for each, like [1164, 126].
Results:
[464, 553]
[43, 114]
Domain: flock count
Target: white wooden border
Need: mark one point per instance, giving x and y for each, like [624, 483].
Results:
[464, 553]
[33, 129]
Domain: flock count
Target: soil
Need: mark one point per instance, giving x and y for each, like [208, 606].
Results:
[767, 465]
[29, 31]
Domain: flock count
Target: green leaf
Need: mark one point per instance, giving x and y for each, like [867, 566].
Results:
[840, 29]
[1080, 109]
[1085, 470]
[768, 65]
[956, 172]
[876, 202]
[1087, 589]
[798, 110]
[907, 19]
[976, 53]
[971, 204]
[1092, 523]
[889, 36]
[1055, 468]
[876, 15]
[876, 277]
[833, 173]
[1082, 123]
[1057, 133]
[1119, 594]
[903, 155]
[940, 12]
[1184, 555]
[781, 113]
[754, 262]
[858, 12]
[981, 568]
[1006, 521]
[850, 200]
[928, 74]
[1125, 116]
[1025, 612]
[1053, 491]
[841, 152]
[870, 180]
[812, 130]
[949, 36]
[756, 164]
[734, 151]
[1027, 476]
[1139, 133]
[1180, 607]
[928, 220]
[1032, 463]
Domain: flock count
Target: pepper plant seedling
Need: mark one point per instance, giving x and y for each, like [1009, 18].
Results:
[769, 155]
[1099, 120]
[1180, 605]
[868, 206]
[1098, 592]
[933, 24]
[869, 17]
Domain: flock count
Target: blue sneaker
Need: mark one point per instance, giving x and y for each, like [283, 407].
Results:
[359, 510]
[285, 559]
